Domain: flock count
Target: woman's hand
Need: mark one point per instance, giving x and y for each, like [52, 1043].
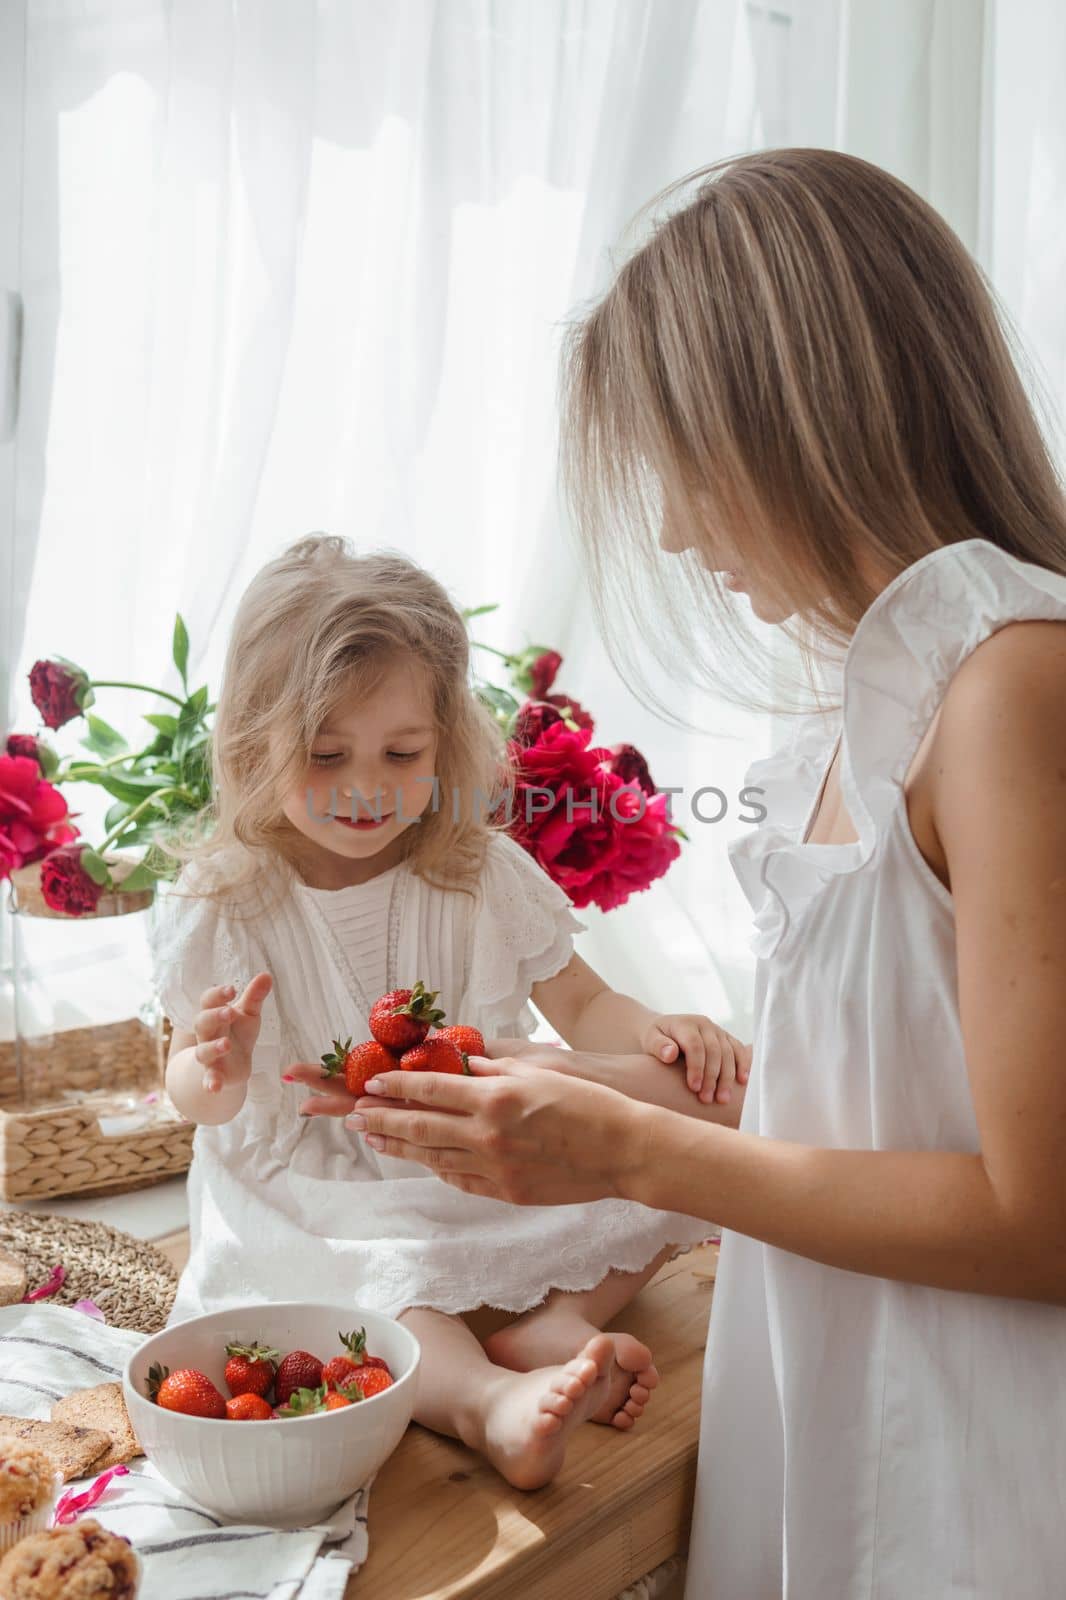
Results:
[510, 1131]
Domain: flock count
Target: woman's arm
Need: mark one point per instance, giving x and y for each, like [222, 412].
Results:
[993, 1221]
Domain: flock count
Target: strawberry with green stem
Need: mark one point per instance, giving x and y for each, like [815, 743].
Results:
[359, 1063]
[189, 1392]
[403, 1017]
[250, 1368]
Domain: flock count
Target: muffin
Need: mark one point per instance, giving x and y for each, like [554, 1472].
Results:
[83, 1562]
[28, 1485]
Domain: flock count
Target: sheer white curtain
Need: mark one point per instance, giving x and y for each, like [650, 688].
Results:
[289, 265]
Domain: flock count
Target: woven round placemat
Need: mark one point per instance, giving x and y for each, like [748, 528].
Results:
[131, 1281]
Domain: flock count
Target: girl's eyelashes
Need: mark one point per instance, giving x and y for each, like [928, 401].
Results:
[319, 760]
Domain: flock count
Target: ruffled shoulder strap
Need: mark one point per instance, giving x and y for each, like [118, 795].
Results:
[197, 942]
[908, 647]
[523, 932]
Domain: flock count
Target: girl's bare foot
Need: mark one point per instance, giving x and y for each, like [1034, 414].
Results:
[535, 1338]
[528, 1417]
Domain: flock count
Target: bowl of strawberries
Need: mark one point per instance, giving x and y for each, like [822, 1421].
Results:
[330, 1389]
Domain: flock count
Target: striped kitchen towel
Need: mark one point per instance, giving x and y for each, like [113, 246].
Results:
[47, 1352]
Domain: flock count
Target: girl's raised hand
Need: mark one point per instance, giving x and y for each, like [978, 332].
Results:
[227, 1029]
[713, 1060]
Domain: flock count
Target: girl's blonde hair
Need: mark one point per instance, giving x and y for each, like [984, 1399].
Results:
[805, 355]
[316, 624]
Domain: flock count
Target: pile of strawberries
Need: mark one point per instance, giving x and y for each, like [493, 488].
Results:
[407, 1033]
[302, 1385]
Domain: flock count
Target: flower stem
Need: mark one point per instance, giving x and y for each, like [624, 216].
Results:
[107, 683]
[131, 816]
[491, 648]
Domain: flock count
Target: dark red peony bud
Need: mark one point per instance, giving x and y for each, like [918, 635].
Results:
[628, 763]
[65, 884]
[60, 691]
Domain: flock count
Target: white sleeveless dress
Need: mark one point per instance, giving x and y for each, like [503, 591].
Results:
[284, 1207]
[862, 1438]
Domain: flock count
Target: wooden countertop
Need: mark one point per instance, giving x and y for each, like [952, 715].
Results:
[445, 1526]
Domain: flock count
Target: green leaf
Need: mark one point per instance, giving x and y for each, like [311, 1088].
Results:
[181, 646]
[94, 864]
[497, 700]
[115, 814]
[132, 787]
[142, 877]
[479, 611]
[163, 721]
[102, 739]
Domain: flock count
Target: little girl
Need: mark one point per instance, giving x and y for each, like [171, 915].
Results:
[339, 867]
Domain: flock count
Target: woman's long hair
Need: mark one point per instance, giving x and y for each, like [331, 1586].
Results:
[804, 366]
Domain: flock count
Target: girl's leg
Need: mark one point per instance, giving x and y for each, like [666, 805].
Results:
[539, 1336]
[521, 1422]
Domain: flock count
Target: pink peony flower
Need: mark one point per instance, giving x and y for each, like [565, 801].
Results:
[612, 841]
[60, 691]
[33, 814]
[66, 885]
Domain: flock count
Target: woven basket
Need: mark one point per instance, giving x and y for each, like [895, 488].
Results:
[53, 1143]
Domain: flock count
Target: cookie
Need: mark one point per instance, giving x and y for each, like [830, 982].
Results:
[83, 1562]
[12, 1279]
[103, 1408]
[73, 1450]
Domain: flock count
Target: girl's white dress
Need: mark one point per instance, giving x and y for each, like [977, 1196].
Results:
[862, 1438]
[284, 1207]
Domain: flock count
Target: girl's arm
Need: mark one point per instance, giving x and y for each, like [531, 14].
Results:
[591, 1016]
[991, 1221]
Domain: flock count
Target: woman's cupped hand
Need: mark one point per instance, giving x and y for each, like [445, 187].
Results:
[512, 1130]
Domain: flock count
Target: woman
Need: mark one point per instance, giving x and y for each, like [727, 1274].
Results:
[802, 377]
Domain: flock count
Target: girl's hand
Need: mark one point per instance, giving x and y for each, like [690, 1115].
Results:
[713, 1059]
[510, 1131]
[331, 1098]
[227, 1030]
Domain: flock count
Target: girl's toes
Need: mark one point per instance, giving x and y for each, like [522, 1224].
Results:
[544, 1424]
[640, 1394]
[570, 1385]
[633, 1408]
[560, 1405]
[648, 1378]
[623, 1421]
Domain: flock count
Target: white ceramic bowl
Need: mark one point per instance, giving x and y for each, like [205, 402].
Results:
[285, 1472]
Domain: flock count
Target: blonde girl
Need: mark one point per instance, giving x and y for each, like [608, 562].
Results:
[326, 877]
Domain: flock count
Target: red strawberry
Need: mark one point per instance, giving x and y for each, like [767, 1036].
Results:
[249, 1408]
[187, 1391]
[470, 1041]
[298, 1371]
[250, 1368]
[338, 1398]
[359, 1063]
[434, 1055]
[374, 1380]
[343, 1369]
[403, 1018]
[305, 1401]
